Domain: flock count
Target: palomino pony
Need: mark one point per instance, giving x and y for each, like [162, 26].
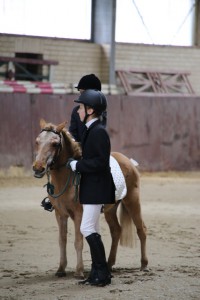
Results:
[54, 146]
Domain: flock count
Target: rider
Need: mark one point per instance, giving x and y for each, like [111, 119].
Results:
[76, 127]
[96, 185]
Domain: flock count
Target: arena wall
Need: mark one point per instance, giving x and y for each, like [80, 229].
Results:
[161, 133]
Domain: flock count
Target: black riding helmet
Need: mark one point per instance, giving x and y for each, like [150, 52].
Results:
[90, 81]
[94, 99]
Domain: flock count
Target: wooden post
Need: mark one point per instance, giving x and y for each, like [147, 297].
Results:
[197, 23]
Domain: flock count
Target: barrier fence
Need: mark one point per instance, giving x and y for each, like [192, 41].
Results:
[160, 132]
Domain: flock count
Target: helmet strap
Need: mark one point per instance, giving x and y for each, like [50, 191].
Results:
[87, 115]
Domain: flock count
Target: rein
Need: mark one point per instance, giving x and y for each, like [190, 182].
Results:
[75, 183]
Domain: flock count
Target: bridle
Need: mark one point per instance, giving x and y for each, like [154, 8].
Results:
[49, 185]
[57, 152]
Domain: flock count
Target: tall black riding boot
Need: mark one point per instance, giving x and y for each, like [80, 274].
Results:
[90, 277]
[100, 274]
[92, 271]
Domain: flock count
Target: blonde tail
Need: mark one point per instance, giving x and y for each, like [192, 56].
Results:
[128, 232]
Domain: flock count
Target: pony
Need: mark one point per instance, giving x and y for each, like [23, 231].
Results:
[54, 146]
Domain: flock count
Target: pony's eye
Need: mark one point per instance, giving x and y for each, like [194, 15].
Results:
[55, 144]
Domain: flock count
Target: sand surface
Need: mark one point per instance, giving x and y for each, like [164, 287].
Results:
[29, 251]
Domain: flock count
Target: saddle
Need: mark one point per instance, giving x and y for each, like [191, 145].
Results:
[118, 178]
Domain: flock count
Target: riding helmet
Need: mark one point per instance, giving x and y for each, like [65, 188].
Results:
[90, 81]
[94, 99]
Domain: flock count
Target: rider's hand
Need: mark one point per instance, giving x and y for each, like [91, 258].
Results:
[71, 164]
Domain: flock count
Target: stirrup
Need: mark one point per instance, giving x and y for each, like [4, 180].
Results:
[47, 204]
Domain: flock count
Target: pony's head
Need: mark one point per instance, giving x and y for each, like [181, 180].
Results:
[54, 145]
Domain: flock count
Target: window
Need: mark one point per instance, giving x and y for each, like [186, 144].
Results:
[60, 18]
[164, 22]
[28, 70]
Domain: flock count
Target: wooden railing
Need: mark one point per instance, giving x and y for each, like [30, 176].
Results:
[154, 81]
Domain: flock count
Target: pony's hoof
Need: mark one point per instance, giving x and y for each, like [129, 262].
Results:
[145, 269]
[79, 276]
[60, 274]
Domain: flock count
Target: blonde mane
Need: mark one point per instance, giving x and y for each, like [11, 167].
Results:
[73, 147]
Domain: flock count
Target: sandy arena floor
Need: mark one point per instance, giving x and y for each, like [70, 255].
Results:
[29, 251]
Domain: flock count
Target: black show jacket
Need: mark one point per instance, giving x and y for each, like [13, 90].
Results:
[96, 185]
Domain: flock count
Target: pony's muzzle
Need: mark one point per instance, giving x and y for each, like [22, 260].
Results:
[39, 170]
[38, 174]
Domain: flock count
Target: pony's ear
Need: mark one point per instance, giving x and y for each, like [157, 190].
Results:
[42, 123]
[60, 126]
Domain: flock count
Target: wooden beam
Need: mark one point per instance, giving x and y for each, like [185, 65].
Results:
[28, 60]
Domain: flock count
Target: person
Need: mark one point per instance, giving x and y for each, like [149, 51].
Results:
[96, 183]
[76, 127]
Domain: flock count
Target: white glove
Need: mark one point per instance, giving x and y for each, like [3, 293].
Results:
[73, 165]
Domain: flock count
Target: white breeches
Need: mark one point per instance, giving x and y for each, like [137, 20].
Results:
[90, 219]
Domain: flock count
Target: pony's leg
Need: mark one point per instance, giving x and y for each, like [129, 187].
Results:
[78, 244]
[132, 204]
[62, 226]
[110, 213]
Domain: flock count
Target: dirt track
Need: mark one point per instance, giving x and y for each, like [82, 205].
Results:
[29, 249]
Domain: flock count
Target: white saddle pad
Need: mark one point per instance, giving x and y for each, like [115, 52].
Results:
[118, 179]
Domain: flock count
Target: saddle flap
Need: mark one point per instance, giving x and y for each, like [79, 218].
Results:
[118, 178]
